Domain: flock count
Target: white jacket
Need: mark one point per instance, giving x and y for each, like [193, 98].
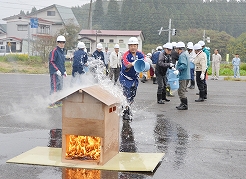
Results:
[115, 60]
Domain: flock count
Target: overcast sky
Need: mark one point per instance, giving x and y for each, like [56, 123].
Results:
[13, 7]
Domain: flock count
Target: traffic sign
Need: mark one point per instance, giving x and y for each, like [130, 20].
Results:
[34, 22]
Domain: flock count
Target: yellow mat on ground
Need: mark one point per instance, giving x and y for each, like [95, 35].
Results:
[121, 162]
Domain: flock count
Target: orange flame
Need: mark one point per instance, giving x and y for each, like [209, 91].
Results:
[71, 173]
[83, 147]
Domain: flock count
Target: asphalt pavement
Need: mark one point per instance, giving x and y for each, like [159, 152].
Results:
[207, 141]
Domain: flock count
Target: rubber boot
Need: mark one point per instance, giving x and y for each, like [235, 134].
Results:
[154, 80]
[164, 97]
[184, 104]
[143, 80]
[205, 94]
[201, 97]
[159, 99]
[192, 84]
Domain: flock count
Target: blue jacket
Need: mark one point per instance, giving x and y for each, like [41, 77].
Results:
[129, 76]
[57, 61]
[207, 51]
[155, 57]
[183, 66]
[79, 58]
[99, 55]
[236, 61]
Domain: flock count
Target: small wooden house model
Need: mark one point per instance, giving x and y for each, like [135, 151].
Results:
[90, 126]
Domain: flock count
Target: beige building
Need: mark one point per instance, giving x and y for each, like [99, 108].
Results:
[109, 38]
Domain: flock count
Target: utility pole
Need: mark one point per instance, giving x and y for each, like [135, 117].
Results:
[205, 38]
[90, 17]
[169, 30]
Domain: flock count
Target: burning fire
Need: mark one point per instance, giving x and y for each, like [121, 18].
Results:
[71, 173]
[83, 147]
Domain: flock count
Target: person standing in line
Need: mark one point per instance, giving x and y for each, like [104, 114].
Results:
[98, 54]
[79, 61]
[154, 58]
[236, 65]
[216, 59]
[128, 75]
[115, 64]
[191, 55]
[57, 68]
[183, 69]
[206, 50]
[201, 67]
[106, 54]
[162, 65]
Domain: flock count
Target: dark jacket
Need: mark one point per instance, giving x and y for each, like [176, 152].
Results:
[99, 55]
[175, 56]
[79, 58]
[57, 61]
[155, 57]
[163, 64]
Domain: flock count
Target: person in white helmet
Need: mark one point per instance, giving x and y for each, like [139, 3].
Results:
[57, 68]
[192, 55]
[79, 61]
[183, 67]
[115, 64]
[164, 62]
[200, 67]
[106, 54]
[154, 58]
[98, 53]
[128, 75]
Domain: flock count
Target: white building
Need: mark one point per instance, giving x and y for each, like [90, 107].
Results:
[50, 20]
[109, 38]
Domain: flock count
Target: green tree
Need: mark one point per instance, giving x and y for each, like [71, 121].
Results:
[33, 9]
[70, 31]
[22, 12]
[113, 18]
[98, 14]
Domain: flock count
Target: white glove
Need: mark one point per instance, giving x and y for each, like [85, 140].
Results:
[133, 63]
[65, 74]
[171, 65]
[176, 72]
[58, 73]
[202, 76]
[173, 68]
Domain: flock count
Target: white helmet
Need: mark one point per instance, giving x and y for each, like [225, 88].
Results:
[149, 54]
[61, 38]
[180, 45]
[133, 40]
[202, 43]
[190, 43]
[174, 44]
[168, 46]
[190, 47]
[99, 46]
[159, 48]
[81, 45]
[116, 46]
[197, 46]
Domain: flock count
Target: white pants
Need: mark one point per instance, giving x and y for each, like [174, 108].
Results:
[215, 69]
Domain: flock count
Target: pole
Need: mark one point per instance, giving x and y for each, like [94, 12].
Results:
[204, 35]
[90, 17]
[28, 39]
[169, 31]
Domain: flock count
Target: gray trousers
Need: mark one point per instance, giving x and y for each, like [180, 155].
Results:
[182, 87]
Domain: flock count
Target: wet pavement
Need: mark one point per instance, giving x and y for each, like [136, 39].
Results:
[206, 141]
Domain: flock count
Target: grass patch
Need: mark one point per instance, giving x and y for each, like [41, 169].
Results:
[229, 78]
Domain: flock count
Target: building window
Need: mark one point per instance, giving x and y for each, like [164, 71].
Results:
[111, 40]
[51, 13]
[2, 47]
[1, 43]
[44, 29]
[101, 40]
[121, 41]
[22, 27]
